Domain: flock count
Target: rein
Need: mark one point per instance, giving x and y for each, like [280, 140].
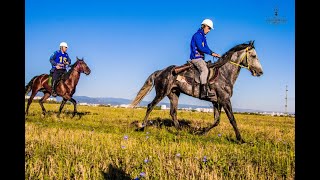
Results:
[246, 55]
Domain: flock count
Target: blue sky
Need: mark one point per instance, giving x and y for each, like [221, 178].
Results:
[123, 42]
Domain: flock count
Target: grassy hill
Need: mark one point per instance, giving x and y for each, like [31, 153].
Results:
[101, 143]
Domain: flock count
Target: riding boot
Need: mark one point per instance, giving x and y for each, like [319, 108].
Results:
[203, 91]
[53, 93]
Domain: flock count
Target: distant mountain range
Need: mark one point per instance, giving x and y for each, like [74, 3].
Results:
[119, 101]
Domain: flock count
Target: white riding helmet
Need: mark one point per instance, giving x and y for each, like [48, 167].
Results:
[63, 44]
[208, 22]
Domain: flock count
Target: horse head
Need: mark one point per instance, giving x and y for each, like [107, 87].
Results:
[248, 58]
[82, 66]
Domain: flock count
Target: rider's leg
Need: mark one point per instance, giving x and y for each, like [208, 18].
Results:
[55, 76]
[202, 67]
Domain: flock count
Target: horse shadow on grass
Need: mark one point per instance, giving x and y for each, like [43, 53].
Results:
[168, 123]
[185, 125]
[114, 173]
[69, 113]
[63, 113]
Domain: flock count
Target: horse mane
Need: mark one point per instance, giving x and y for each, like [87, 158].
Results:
[227, 55]
[67, 74]
[236, 48]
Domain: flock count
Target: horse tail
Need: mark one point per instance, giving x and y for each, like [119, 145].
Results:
[29, 85]
[145, 89]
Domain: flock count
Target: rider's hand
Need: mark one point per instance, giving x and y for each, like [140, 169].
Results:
[216, 55]
[59, 66]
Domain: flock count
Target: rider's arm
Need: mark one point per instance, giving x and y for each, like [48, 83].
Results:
[52, 58]
[203, 48]
[69, 60]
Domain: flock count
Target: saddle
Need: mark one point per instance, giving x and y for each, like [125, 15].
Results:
[190, 74]
[50, 79]
[61, 78]
[193, 74]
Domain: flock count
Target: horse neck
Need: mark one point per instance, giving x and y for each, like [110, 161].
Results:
[229, 72]
[73, 78]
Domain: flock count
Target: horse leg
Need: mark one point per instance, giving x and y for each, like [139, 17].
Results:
[228, 109]
[61, 106]
[74, 102]
[42, 100]
[217, 113]
[33, 94]
[151, 105]
[174, 97]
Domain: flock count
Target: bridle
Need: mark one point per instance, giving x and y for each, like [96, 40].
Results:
[245, 55]
[78, 68]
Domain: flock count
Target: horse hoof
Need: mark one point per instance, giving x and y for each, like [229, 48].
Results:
[203, 131]
[199, 132]
[140, 129]
[139, 125]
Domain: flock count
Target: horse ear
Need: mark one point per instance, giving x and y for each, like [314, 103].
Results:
[251, 43]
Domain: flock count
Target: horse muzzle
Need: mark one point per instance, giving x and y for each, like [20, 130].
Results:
[87, 72]
[257, 73]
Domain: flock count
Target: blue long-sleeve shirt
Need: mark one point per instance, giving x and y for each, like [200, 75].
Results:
[199, 46]
[59, 58]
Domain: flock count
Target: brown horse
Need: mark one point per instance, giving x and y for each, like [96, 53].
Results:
[171, 84]
[65, 88]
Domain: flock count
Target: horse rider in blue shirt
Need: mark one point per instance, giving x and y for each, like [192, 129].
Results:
[59, 61]
[199, 48]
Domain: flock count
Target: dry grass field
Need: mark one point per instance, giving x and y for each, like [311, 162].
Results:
[101, 143]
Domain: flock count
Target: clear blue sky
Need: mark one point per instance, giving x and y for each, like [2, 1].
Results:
[123, 42]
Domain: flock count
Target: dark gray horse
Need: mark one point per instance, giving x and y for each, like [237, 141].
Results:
[222, 76]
